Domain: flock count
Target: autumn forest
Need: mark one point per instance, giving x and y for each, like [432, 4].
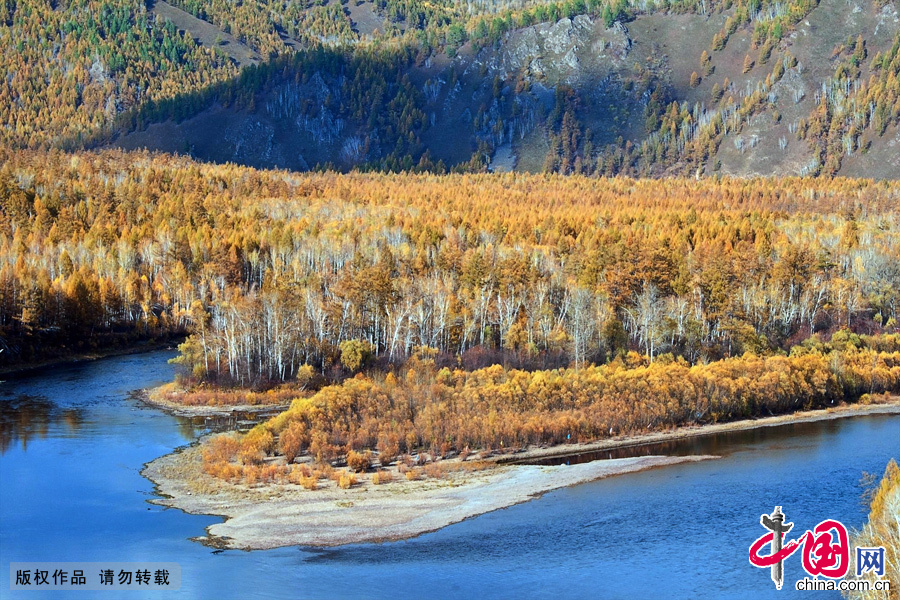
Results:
[407, 311]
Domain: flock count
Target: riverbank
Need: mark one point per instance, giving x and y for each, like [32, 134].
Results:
[275, 515]
[166, 398]
[884, 406]
[138, 348]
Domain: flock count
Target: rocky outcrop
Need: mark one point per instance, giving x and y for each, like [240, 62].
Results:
[563, 52]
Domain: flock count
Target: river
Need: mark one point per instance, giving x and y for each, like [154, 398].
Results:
[73, 443]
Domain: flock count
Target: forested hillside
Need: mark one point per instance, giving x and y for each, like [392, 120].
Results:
[69, 70]
[274, 270]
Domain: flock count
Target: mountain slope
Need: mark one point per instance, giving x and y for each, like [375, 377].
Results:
[735, 87]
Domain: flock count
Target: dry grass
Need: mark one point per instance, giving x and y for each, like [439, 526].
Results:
[210, 396]
[434, 470]
[467, 467]
[883, 529]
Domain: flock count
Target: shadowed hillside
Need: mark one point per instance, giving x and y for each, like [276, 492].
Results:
[601, 87]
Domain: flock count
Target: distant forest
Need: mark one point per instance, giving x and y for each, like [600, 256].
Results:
[273, 271]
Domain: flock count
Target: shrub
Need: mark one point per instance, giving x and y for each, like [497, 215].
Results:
[382, 477]
[412, 440]
[251, 475]
[359, 461]
[321, 448]
[254, 474]
[507, 408]
[223, 470]
[294, 475]
[302, 475]
[388, 449]
[446, 449]
[256, 444]
[250, 456]
[347, 480]
[221, 448]
[469, 467]
[355, 354]
[292, 440]
[230, 472]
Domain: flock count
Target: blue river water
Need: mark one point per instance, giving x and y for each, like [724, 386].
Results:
[73, 443]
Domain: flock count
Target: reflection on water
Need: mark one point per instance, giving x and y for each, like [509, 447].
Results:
[715, 444]
[24, 417]
[195, 426]
[27, 416]
[235, 421]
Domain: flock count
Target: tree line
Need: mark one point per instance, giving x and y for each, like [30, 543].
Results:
[271, 271]
[444, 411]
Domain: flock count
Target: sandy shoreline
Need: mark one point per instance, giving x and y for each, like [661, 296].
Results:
[275, 515]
